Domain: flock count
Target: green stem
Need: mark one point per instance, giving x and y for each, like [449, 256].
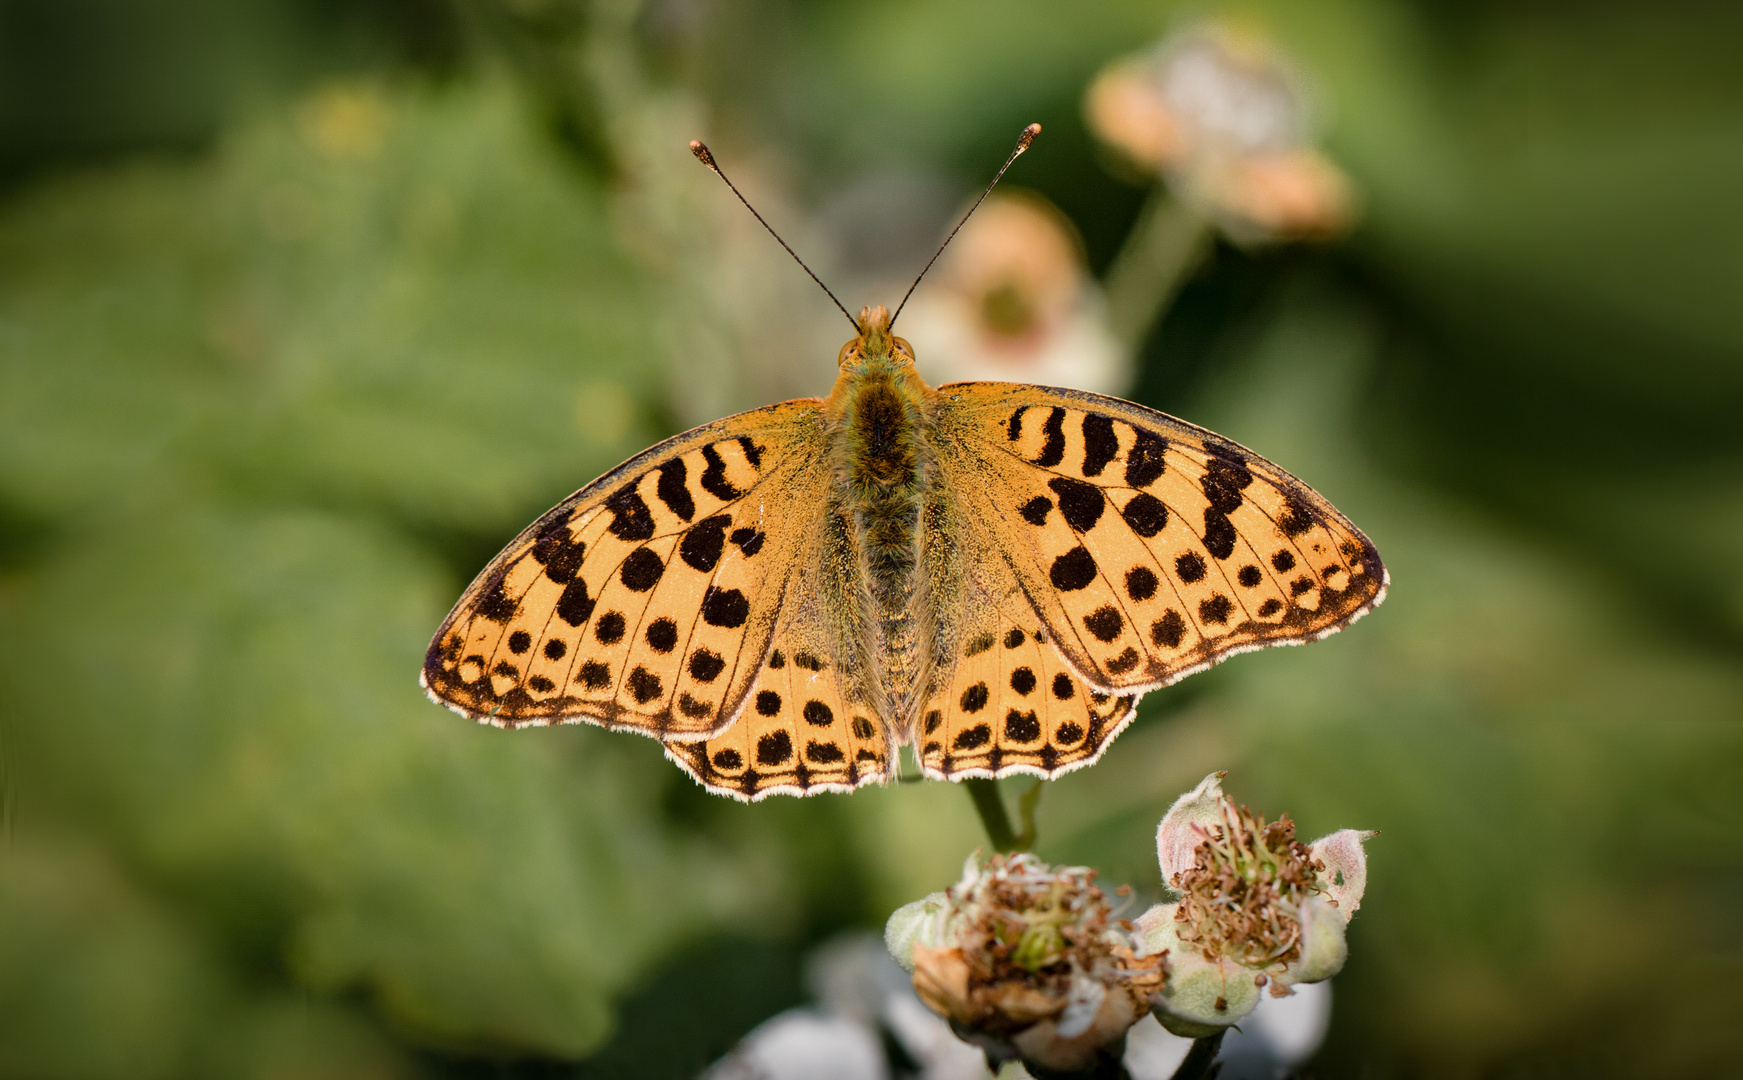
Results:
[1199, 1058]
[1160, 253]
[991, 808]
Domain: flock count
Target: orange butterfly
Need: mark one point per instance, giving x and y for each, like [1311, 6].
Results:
[994, 572]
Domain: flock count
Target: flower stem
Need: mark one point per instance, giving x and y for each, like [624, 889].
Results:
[991, 808]
[1165, 245]
[1199, 1058]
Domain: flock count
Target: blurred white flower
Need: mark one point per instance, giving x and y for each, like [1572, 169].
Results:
[804, 1044]
[1255, 908]
[1223, 114]
[1011, 300]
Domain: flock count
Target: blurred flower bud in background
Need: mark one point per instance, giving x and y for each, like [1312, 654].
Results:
[1256, 909]
[1026, 961]
[1220, 112]
[1011, 300]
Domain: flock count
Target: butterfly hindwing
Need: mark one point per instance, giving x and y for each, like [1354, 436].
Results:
[1149, 548]
[801, 731]
[1012, 705]
[645, 601]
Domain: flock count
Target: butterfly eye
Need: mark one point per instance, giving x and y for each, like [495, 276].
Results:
[845, 355]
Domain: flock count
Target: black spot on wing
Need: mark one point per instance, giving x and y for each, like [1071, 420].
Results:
[977, 645]
[1215, 610]
[974, 737]
[1250, 576]
[1141, 583]
[1062, 688]
[1190, 567]
[519, 642]
[1023, 681]
[560, 556]
[752, 452]
[1073, 570]
[1022, 726]
[673, 491]
[774, 748]
[1223, 482]
[1169, 630]
[1014, 426]
[1053, 450]
[1014, 639]
[702, 545]
[714, 476]
[974, 699]
[1144, 464]
[726, 608]
[642, 570]
[1297, 517]
[495, 604]
[594, 675]
[727, 759]
[574, 606]
[749, 541]
[1035, 510]
[1104, 622]
[706, 665]
[630, 517]
[823, 753]
[1146, 514]
[555, 648]
[1283, 560]
[1099, 444]
[662, 635]
[609, 629]
[808, 662]
[1219, 533]
[1080, 504]
[768, 703]
[644, 685]
[817, 714]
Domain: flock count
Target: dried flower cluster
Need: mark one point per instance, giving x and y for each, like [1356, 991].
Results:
[1027, 961]
[1254, 907]
[1241, 896]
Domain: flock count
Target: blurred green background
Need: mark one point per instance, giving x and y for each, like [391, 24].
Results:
[307, 306]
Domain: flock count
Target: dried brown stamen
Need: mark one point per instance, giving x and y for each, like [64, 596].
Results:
[1242, 896]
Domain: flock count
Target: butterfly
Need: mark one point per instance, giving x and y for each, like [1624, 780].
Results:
[991, 572]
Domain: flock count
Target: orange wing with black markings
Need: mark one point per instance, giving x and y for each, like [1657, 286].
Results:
[646, 601]
[1146, 547]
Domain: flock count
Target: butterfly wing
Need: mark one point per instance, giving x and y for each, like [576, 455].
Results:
[1009, 702]
[646, 601]
[1146, 547]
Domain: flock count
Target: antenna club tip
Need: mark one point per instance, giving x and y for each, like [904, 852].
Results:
[1027, 137]
[701, 152]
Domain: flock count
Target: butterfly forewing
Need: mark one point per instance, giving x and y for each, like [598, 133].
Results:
[646, 600]
[1149, 548]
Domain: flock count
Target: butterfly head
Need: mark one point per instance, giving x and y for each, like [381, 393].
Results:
[875, 345]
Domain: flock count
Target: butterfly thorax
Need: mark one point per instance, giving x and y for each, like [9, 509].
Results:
[883, 462]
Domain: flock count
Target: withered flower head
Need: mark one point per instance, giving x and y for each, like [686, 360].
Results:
[1226, 116]
[1256, 907]
[1026, 961]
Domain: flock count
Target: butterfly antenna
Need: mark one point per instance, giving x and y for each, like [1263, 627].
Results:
[702, 155]
[1023, 141]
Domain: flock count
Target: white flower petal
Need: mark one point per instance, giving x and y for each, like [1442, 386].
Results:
[921, 922]
[1346, 867]
[1323, 948]
[1155, 931]
[1178, 836]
